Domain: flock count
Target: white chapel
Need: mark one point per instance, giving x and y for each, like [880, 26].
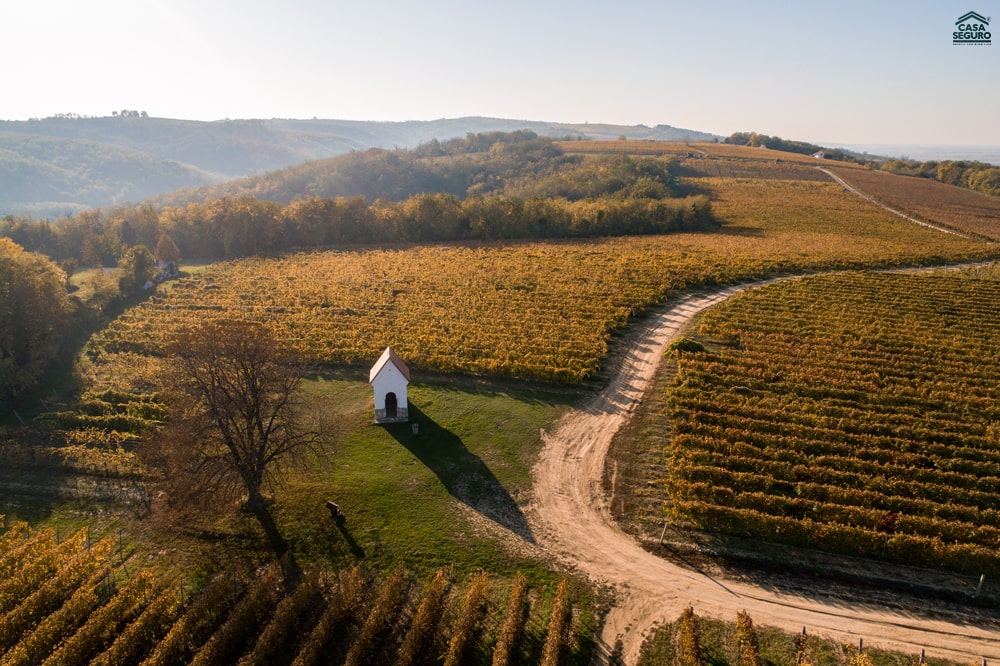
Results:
[390, 377]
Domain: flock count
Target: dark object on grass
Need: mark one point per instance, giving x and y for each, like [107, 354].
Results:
[335, 511]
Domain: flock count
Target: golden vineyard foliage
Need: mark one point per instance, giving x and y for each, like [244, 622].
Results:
[537, 310]
[857, 413]
[77, 602]
[962, 209]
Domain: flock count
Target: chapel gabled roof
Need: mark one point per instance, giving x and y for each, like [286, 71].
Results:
[388, 356]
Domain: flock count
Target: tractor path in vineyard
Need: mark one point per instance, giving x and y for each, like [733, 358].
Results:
[570, 517]
[853, 190]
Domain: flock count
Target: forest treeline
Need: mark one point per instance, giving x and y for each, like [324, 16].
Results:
[483, 187]
[979, 176]
[41, 313]
[244, 226]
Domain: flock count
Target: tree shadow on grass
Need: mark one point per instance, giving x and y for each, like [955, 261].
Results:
[464, 474]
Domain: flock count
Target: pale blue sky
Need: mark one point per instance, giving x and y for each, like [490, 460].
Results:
[844, 71]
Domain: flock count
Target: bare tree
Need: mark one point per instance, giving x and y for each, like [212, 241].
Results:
[234, 418]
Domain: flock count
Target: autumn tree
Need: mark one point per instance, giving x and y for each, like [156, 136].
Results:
[684, 345]
[137, 225]
[166, 249]
[986, 181]
[246, 225]
[234, 418]
[34, 310]
[137, 267]
[100, 249]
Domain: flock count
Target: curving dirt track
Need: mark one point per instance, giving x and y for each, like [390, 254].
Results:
[570, 518]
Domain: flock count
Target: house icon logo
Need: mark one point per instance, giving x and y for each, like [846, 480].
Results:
[972, 28]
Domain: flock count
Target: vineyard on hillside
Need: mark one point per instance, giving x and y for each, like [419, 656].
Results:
[75, 602]
[536, 310]
[956, 207]
[857, 413]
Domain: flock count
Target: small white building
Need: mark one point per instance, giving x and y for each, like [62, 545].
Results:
[390, 377]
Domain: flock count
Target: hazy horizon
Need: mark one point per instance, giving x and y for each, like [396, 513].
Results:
[923, 152]
[852, 72]
[913, 151]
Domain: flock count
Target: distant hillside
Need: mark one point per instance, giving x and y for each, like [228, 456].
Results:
[52, 166]
[46, 176]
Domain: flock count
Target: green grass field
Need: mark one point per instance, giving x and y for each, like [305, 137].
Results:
[433, 499]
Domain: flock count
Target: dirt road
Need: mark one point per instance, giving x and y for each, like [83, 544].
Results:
[571, 519]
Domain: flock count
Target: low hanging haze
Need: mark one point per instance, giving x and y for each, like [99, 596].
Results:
[845, 72]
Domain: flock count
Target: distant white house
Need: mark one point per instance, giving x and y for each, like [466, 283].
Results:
[390, 377]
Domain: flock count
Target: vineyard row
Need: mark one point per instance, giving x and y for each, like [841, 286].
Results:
[65, 603]
[791, 427]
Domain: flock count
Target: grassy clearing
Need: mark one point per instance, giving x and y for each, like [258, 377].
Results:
[448, 497]
[444, 498]
[410, 497]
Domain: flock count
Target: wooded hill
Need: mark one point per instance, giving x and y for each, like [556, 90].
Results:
[61, 165]
[519, 163]
[483, 187]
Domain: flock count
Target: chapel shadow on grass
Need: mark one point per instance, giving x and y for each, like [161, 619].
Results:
[463, 474]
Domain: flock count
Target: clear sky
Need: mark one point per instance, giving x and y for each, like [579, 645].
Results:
[844, 71]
